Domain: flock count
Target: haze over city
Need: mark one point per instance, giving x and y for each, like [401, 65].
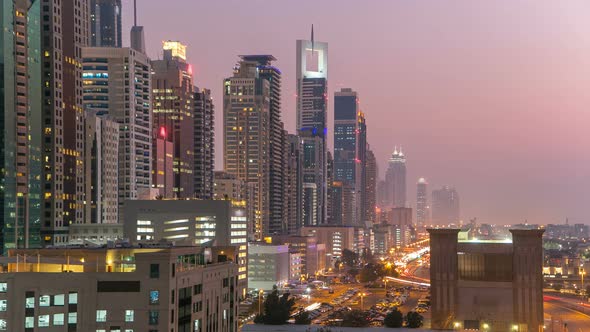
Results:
[488, 97]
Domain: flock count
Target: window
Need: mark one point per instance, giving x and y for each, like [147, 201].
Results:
[30, 302]
[154, 271]
[73, 298]
[44, 300]
[101, 315]
[72, 318]
[43, 320]
[3, 305]
[154, 317]
[129, 315]
[198, 289]
[197, 306]
[154, 297]
[29, 322]
[3, 287]
[58, 319]
[3, 325]
[59, 300]
[197, 325]
[101, 330]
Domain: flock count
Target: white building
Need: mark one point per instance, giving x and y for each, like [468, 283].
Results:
[268, 265]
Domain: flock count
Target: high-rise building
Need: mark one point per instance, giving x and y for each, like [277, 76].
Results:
[117, 81]
[329, 186]
[204, 144]
[64, 32]
[422, 209]
[172, 93]
[371, 186]
[396, 179]
[445, 206]
[292, 187]
[246, 122]
[382, 194]
[401, 219]
[20, 124]
[105, 23]
[312, 109]
[102, 168]
[276, 219]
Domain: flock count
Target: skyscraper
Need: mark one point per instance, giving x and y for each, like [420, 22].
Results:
[371, 186]
[246, 122]
[63, 36]
[445, 206]
[276, 222]
[312, 107]
[422, 209]
[396, 179]
[20, 124]
[118, 81]
[105, 23]
[292, 187]
[350, 146]
[204, 144]
[172, 93]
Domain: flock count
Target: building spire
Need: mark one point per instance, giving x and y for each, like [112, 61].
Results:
[135, 12]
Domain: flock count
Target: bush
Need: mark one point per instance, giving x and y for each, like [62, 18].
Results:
[302, 318]
[414, 320]
[394, 319]
[355, 318]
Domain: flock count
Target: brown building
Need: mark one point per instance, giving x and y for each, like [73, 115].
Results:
[486, 285]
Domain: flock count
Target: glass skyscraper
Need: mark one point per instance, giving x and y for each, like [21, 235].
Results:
[105, 23]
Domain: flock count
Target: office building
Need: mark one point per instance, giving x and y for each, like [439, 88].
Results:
[227, 186]
[130, 289]
[396, 179]
[382, 194]
[117, 82]
[445, 206]
[312, 253]
[401, 218]
[312, 109]
[335, 239]
[102, 168]
[105, 23]
[20, 124]
[173, 103]
[246, 124]
[268, 265]
[94, 235]
[493, 285]
[190, 222]
[204, 144]
[329, 188]
[293, 183]
[63, 35]
[422, 208]
[370, 187]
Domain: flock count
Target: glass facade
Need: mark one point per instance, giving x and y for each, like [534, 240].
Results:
[105, 23]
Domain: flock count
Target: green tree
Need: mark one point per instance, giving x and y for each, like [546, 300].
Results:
[368, 273]
[367, 256]
[277, 309]
[302, 318]
[414, 320]
[355, 318]
[349, 258]
[394, 319]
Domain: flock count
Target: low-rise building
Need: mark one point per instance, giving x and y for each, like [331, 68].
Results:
[335, 238]
[268, 265]
[95, 234]
[126, 290]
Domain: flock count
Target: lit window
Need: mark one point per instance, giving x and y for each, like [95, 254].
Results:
[58, 300]
[129, 315]
[44, 301]
[43, 320]
[73, 298]
[3, 287]
[58, 319]
[72, 318]
[101, 330]
[30, 302]
[154, 317]
[3, 305]
[154, 297]
[101, 315]
[29, 322]
[3, 325]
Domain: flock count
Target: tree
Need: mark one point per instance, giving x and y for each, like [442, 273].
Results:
[337, 265]
[368, 273]
[367, 256]
[588, 291]
[414, 320]
[302, 318]
[355, 318]
[557, 287]
[277, 309]
[394, 319]
[349, 257]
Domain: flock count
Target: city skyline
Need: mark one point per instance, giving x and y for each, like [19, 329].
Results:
[432, 137]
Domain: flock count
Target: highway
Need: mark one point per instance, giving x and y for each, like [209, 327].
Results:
[575, 320]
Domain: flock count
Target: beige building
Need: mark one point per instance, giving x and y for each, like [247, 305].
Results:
[487, 285]
[268, 265]
[335, 239]
[125, 290]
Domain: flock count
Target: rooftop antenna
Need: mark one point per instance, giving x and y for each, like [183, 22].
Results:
[312, 46]
[135, 12]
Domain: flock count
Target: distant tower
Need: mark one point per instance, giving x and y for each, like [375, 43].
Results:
[105, 23]
[445, 206]
[371, 186]
[396, 179]
[137, 37]
[422, 202]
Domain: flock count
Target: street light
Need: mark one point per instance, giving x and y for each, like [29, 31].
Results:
[362, 295]
[308, 291]
[260, 293]
[486, 326]
[457, 325]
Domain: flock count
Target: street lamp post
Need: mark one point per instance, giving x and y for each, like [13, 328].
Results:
[362, 303]
[260, 293]
[308, 290]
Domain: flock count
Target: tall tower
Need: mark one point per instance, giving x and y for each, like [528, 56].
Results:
[20, 124]
[445, 206]
[204, 143]
[292, 187]
[105, 23]
[396, 179]
[246, 124]
[172, 92]
[422, 209]
[371, 187]
[63, 37]
[312, 108]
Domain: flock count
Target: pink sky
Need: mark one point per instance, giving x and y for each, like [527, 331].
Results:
[491, 97]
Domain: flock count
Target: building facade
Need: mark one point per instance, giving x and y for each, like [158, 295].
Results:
[312, 127]
[117, 81]
[155, 289]
[422, 208]
[105, 23]
[21, 124]
[268, 265]
[396, 179]
[371, 175]
[173, 103]
[293, 183]
[204, 143]
[445, 206]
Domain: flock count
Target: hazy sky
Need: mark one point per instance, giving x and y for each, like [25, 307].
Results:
[492, 97]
